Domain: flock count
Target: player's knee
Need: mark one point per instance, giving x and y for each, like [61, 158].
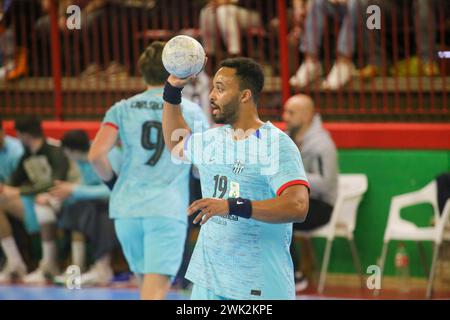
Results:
[5, 228]
[226, 12]
[44, 214]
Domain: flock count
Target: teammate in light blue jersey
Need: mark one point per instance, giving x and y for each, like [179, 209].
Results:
[150, 195]
[254, 187]
[11, 150]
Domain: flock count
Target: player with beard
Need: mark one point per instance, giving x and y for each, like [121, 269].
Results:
[253, 184]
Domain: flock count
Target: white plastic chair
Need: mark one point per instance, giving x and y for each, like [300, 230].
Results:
[400, 229]
[351, 188]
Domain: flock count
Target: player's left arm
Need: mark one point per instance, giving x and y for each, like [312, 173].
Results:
[290, 206]
[104, 141]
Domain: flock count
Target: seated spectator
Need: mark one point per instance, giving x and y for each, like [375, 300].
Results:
[127, 18]
[40, 165]
[6, 52]
[6, 43]
[319, 157]
[13, 52]
[295, 17]
[343, 68]
[227, 19]
[93, 13]
[81, 207]
[11, 150]
[424, 19]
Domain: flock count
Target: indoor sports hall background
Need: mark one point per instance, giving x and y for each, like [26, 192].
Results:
[67, 62]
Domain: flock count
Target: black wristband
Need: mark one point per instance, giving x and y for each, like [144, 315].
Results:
[111, 182]
[172, 94]
[240, 207]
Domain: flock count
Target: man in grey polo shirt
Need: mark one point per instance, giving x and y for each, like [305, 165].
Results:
[319, 155]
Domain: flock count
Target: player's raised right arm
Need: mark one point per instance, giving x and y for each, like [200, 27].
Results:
[175, 128]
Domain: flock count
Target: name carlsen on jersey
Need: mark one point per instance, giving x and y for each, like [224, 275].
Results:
[149, 105]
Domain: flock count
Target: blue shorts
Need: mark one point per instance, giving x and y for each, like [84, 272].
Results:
[152, 244]
[200, 293]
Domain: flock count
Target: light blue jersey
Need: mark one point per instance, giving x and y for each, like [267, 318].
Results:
[241, 258]
[10, 156]
[150, 183]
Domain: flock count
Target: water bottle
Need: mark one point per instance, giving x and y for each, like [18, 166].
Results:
[402, 268]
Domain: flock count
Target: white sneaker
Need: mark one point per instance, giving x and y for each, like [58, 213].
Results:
[42, 274]
[306, 73]
[97, 276]
[341, 73]
[60, 279]
[12, 271]
[66, 275]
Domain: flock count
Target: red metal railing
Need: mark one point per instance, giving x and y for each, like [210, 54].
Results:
[55, 82]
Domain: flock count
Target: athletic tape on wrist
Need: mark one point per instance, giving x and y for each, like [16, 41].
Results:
[172, 94]
[240, 207]
[111, 182]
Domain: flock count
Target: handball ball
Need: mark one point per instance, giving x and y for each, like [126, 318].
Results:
[183, 56]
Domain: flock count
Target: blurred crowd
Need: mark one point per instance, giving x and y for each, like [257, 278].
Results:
[113, 32]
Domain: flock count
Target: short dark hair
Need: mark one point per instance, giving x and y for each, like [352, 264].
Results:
[77, 140]
[249, 72]
[151, 66]
[30, 125]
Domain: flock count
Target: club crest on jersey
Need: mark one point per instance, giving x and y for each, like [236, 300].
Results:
[238, 167]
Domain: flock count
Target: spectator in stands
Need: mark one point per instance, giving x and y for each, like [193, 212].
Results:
[40, 165]
[424, 20]
[11, 150]
[295, 19]
[227, 19]
[133, 16]
[84, 210]
[93, 14]
[296, 14]
[6, 43]
[319, 157]
[311, 68]
[13, 47]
